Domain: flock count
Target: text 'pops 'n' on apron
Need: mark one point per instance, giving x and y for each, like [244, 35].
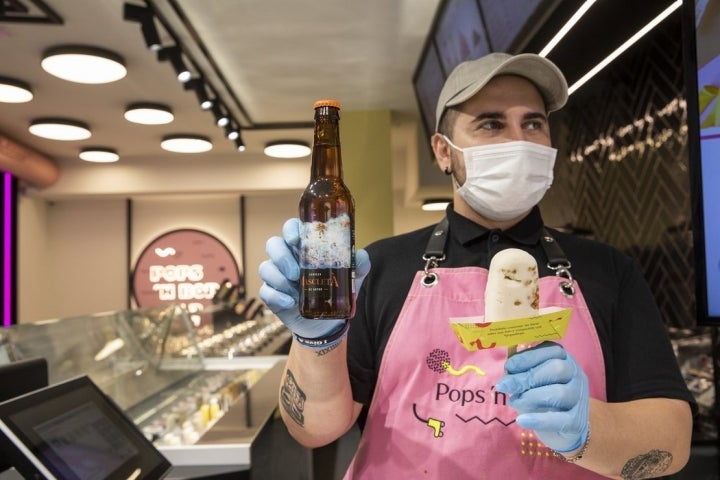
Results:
[435, 412]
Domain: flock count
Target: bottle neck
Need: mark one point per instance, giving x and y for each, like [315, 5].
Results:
[326, 157]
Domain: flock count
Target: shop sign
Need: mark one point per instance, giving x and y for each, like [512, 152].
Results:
[182, 267]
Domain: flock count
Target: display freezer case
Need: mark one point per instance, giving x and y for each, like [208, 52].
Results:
[201, 396]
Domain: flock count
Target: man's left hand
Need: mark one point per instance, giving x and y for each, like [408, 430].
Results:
[550, 392]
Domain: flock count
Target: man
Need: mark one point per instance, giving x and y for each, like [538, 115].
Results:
[605, 400]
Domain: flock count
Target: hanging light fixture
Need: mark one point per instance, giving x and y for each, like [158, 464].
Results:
[14, 91]
[174, 54]
[186, 143]
[144, 16]
[99, 155]
[59, 129]
[198, 86]
[287, 149]
[221, 118]
[239, 144]
[232, 132]
[83, 64]
[435, 204]
[149, 113]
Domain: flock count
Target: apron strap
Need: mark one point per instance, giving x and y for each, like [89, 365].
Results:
[558, 262]
[435, 252]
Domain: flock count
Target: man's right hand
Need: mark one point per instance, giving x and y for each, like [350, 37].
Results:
[280, 290]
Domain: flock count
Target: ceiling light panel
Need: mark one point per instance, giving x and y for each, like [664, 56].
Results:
[82, 64]
[186, 144]
[14, 91]
[99, 155]
[60, 129]
[435, 204]
[149, 114]
[287, 149]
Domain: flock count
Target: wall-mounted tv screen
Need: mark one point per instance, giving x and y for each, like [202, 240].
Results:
[505, 20]
[460, 33]
[701, 34]
[428, 82]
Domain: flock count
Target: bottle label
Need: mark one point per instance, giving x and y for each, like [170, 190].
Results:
[326, 245]
[326, 268]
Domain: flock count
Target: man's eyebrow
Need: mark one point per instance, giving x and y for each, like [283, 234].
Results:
[489, 116]
[535, 115]
[501, 116]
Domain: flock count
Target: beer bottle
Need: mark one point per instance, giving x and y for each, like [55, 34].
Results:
[327, 225]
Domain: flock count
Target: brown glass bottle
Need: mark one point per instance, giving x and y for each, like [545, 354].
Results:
[327, 225]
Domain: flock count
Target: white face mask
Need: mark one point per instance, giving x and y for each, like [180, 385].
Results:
[505, 180]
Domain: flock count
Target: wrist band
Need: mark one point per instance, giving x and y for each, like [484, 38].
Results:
[579, 455]
[323, 342]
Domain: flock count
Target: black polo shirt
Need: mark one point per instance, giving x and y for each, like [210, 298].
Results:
[639, 360]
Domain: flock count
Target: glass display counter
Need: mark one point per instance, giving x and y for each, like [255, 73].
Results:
[201, 396]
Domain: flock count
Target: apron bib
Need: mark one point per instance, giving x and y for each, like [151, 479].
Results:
[436, 414]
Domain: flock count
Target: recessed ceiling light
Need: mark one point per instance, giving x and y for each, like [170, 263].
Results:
[59, 129]
[287, 149]
[99, 155]
[435, 204]
[84, 64]
[186, 144]
[14, 91]
[149, 114]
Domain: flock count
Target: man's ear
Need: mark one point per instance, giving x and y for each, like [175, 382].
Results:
[441, 149]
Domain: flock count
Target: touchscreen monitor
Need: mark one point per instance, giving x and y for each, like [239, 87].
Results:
[23, 376]
[73, 431]
[18, 378]
[701, 37]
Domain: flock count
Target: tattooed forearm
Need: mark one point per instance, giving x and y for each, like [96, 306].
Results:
[648, 465]
[293, 399]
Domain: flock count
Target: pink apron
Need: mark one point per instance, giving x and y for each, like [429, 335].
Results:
[435, 412]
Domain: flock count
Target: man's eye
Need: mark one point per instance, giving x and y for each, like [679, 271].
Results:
[534, 125]
[491, 125]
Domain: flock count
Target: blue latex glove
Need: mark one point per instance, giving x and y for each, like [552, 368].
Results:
[550, 392]
[280, 275]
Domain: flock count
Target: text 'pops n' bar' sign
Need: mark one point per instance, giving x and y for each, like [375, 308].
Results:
[182, 266]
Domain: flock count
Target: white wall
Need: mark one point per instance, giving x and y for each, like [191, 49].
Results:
[32, 259]
[265, 215]
[71, 257]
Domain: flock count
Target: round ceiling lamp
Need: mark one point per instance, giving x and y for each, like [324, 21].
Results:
[435, 204]
[287, 149]
[99, 155]
[14, 91]
[82, 64]
[59, 129]
[149, 114]
[186, 144]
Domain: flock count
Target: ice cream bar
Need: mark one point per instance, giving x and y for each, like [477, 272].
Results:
[512, 287]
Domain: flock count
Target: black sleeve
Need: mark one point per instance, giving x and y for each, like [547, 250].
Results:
[645, 365]
[394, 262]
[360, 355]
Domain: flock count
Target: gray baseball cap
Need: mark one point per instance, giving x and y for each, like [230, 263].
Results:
[469, 77]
